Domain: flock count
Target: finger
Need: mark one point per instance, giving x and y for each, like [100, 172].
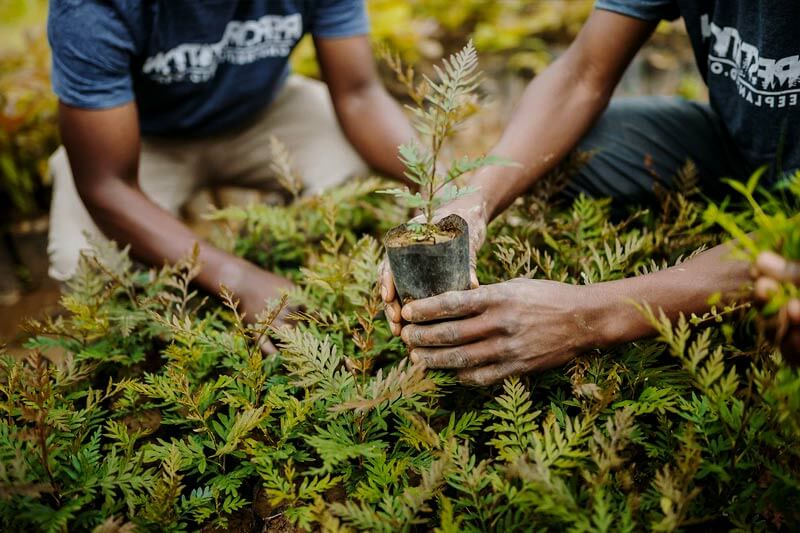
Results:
[765, 287]
[466, 356]
[473, 275]
[455, 304]
[450, 333]
[392, 310]
[490, 374]
[265, 342]
[793, 309]
[773, 265]
[387, 282]
[266, 345]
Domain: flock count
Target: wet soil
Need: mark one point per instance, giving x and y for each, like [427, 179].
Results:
[445, 231]
[38, 295]
[409, 238]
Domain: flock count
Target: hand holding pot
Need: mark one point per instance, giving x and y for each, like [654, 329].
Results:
[499, 330]
[770, 270]
[473, 210]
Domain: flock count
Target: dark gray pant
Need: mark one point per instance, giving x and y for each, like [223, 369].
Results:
[640, 141]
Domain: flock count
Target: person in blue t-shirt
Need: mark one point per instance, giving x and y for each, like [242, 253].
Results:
[747, 52]
[160, 97]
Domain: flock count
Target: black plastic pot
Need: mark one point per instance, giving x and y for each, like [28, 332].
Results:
[424, 269]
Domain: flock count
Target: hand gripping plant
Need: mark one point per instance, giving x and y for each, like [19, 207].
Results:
[430, 257]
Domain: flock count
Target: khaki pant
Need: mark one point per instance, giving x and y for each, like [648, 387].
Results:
[170, 171]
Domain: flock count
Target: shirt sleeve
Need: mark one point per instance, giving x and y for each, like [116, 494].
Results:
[91, 54]
[650, 10]
[340, 18]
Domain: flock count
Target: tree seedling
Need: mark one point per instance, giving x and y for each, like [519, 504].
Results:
[440, 108]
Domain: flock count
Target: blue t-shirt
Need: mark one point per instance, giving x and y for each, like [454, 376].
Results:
[194, 67]
[747, 52]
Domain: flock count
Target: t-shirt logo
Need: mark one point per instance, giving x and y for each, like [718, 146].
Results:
[242, 42]
[762, 81]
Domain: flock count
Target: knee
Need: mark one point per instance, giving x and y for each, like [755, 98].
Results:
[313, 96]
[58, 166]
[69, 221]
[340, 164]
[331, 160]
[63, 260]
[626, 118]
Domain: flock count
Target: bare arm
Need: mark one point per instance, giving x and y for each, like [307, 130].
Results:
[681, 289]
[103, 148]
[529, 325]
[558, 108]
[526, 325]
[371, 119]
[560, 105]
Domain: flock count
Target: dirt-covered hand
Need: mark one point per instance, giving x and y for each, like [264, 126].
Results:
[771, 269]
[472, 209]
[496, 331]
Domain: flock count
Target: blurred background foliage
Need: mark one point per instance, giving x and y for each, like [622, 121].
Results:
[515, 38]
[425, 30]
[28, 132]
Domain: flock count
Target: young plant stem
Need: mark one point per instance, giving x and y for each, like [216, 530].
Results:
[435, 145]
[437, 140]
[45, 455]
[42, 430]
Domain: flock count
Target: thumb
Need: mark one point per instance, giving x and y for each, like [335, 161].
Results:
[476, 236]
[267, 348]
[386, 282]
[473, 275]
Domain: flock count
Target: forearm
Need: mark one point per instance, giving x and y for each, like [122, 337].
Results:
[539, 134]
[683, 289]
[126, 215]
[375, 125]
[561, 104]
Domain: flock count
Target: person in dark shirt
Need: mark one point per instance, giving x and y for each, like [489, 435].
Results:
[160, 97]
[747, 52]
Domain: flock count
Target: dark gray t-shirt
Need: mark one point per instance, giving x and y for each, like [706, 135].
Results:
[748, 54]
[195, 68]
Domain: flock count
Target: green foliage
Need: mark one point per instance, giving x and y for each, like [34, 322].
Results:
[160, 412]
[449, 101]
[763, 219]
[423, 30]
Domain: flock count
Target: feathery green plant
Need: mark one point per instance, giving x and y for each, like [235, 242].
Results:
[440, 107]
[147, 406]
[764, 220]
